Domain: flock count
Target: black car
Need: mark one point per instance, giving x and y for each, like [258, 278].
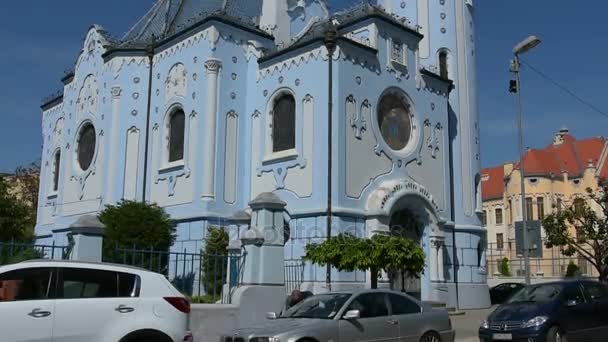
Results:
[551, 312]
[500, 293]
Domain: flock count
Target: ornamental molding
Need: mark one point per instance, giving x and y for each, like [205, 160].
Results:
[176, 83]
[213, 65]
[118, 63]
[294, 62]
[87, 101]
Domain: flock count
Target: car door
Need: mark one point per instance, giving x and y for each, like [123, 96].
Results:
[408, 313]
[576, 314]
[27, 305]
[374, 324]
[597, 294]
[93, 304]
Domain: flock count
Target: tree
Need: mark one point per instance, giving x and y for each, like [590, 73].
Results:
[28, 179]
[389, 253]
[16, 218]
[505, 270]
[590, 228]
[132, 224]
[214, 263]
[572, 270]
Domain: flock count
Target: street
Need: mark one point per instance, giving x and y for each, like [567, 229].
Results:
[467, 324]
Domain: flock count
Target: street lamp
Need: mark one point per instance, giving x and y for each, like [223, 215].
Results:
[519, 49]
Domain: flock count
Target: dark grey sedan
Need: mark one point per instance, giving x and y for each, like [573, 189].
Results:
[371, 315]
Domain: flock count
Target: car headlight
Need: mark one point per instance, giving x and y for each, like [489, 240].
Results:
[536, 321]
[485, 324]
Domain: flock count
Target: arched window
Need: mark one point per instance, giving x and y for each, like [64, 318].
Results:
[56, 168]
[443, 64]
[176, 135]
[284, 123]
[86, 146]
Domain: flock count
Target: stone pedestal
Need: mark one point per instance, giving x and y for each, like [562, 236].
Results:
[86, 235]
[262, 282]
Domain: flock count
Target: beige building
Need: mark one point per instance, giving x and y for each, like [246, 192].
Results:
[556, 176]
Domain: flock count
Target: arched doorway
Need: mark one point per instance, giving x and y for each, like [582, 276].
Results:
[405, 223]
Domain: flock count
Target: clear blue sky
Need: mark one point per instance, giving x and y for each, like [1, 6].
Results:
[41, 38]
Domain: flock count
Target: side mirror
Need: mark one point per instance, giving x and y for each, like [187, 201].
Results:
[571, 303]
[271, 315]
[352, 315]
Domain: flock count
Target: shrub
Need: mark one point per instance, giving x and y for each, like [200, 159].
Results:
[504, 268]
[573, 270]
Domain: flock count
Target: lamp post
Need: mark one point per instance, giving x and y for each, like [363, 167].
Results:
[519, 49]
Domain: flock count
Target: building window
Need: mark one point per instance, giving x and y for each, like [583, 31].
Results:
[511, 218]
[529, 211]
[395, 120]
[176, 135]
[284, 123]
[86, 146]
[540, 206]
[498, 214]
[443, 64]
[579, 206]
[499, 241]
[484, 218]
[56, 168]
[558, 204]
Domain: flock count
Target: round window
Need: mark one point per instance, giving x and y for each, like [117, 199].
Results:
[394, 120]
[86, 146]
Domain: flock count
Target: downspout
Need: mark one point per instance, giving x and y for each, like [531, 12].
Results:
[452, 204]
[150, 54]
[330, 43]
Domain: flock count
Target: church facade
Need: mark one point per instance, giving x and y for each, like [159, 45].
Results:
[368, 116]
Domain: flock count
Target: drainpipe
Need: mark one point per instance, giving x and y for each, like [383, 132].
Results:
[150, 54]
[330, 43]
[452, 204]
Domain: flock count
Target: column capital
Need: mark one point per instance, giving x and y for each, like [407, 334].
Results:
[116, 92]
[213, 65]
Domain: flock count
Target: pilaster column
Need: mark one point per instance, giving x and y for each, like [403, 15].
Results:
[113, 155]
[433, 267]
[440, 274]
[213, 67]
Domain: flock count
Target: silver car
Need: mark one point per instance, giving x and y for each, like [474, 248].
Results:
[370, 315]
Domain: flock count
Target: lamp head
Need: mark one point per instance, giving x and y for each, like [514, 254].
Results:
[526, 45]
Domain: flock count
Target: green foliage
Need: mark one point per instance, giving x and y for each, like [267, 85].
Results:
[349, 253]
[136, 224]
[573, 270]
[590, 240]
[207, 299]
[504, 268]
[214, 264]
[17, 219]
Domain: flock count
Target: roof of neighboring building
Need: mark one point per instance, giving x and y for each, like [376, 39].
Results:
[492, 182]
[564, 155]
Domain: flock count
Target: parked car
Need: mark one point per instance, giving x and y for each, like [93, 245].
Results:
[365, 315]
[551, 312]
[500, 293]
[64, 301]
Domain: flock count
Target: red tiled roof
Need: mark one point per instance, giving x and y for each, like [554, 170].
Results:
[570, 156]
[492, 182]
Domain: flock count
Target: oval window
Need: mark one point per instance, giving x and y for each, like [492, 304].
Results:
[86, 146]
[395, 121]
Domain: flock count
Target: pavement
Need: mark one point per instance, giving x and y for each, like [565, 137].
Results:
[466, 323]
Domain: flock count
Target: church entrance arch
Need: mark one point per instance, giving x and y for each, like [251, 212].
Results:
[405, 208]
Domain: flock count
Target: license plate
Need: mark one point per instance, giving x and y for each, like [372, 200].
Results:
[502, 337]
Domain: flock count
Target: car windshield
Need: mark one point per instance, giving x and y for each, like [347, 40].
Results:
[536, 294]
[324, 306]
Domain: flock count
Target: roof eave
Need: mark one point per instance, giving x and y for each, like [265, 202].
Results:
[52, 102]
[400, 26]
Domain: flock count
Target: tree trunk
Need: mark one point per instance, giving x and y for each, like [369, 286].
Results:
[603, 270]
[374, 275]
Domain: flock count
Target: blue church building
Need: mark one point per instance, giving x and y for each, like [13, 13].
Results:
[363, 121]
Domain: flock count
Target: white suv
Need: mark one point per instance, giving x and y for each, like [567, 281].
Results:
[64, 301]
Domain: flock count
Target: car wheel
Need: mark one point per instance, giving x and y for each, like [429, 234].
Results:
[555, 334]
[430, 337]
[146, 336]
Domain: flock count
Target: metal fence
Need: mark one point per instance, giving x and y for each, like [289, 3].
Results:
[13, 252]
[552, 263]
[202, 277]
[294, 274]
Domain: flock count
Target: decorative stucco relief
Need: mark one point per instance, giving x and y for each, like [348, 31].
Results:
[295, 62]
[88, 96]
[176, 83]
[433, 135]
